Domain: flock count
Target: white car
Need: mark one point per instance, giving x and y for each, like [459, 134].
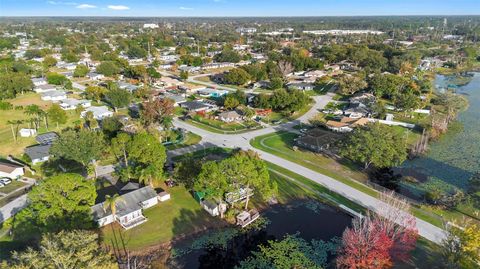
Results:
[5, 181]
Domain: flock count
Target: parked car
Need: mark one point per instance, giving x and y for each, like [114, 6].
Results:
[5, 180]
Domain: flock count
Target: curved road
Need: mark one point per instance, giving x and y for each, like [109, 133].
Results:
[242, 141]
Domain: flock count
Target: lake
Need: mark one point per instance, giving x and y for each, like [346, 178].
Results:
[309, 218]
[451, 160]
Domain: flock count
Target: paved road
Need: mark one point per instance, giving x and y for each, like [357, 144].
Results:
[209, 139]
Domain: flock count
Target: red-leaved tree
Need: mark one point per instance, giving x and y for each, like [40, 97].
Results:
[375, 240]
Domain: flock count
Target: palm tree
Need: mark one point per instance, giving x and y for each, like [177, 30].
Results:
[15, 123]
[36, 112]
[111, 202]
[148, 175]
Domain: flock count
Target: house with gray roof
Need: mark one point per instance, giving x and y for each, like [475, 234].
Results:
[38, 153]
[46, 138]
[99, 112]
[128, 209]
[54, 95]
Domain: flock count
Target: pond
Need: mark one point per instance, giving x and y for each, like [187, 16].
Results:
[451, 160]
[309, 219]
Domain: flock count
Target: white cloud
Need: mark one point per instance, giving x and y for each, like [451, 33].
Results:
[85, 6]
[62, 3]
[119, 7]
[186, 8]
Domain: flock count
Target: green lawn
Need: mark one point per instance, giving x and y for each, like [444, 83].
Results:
[178, 216]
[281, 144]
[190, 139]
[12, 186]
[219, 127]
[7, 143]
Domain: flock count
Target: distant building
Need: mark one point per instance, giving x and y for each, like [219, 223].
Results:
[54, 96]
[44, 88]
[150, 26]
[230, 116]
[46, 138]
[246, 30]
[197, 106]
[71, 104]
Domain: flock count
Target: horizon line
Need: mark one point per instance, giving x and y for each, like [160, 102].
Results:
[240, 16]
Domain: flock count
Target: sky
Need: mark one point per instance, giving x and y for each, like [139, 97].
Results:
[236, 8]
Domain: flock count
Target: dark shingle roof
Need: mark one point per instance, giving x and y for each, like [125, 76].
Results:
[46, 138]
[38, 152]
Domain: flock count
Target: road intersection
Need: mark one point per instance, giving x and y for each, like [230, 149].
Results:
[209, 139]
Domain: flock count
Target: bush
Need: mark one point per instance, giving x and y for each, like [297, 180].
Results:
[5, 106]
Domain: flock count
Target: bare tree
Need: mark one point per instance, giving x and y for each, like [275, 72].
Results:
[285, 67]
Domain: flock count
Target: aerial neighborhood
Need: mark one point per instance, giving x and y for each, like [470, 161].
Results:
[307, 142]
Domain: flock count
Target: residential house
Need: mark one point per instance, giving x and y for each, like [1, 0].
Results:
[99, 112]
[177, 98]
[128, 209]
[315, 73]
[44, 88]
[301, 86]
[317, 140]
[10, 170]
[357, 110]
[71, 104]
[54, 96]
[197, 106]
[38, 153]
[230, 116]
[214, 93]
[47, 138]
[346, 124]
[95, 76]
[39, 81]
[127, 86]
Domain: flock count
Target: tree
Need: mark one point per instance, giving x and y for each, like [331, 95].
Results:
[12, 84]
[230, 102]
[212, 181]
[95, 92]
[57, 79]
[49, 61]
[387, 85]
[136, 51]
[246, 170]
[145, 150]
[108, 68]
[285, 67]
[349, 84]
[237, 76]
[118, 98]
[183, 75]
[227, 55]
[57, 115]
[81, 70]
[66, 249]
[157, 111]
[36, 113]
[120, 146]
[58, 203]
[407, 100]
[364, 246]
[374, 144]
[82, 146]
[290, 252]
[461, 247]
[111, 203]
[15, 123]
[276, 83]
[186, 172]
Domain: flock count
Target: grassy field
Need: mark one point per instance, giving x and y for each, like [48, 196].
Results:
[281, 144]
[12, 186]
[190, 139]
[7, 143]
[219, 127]
[176, 217]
